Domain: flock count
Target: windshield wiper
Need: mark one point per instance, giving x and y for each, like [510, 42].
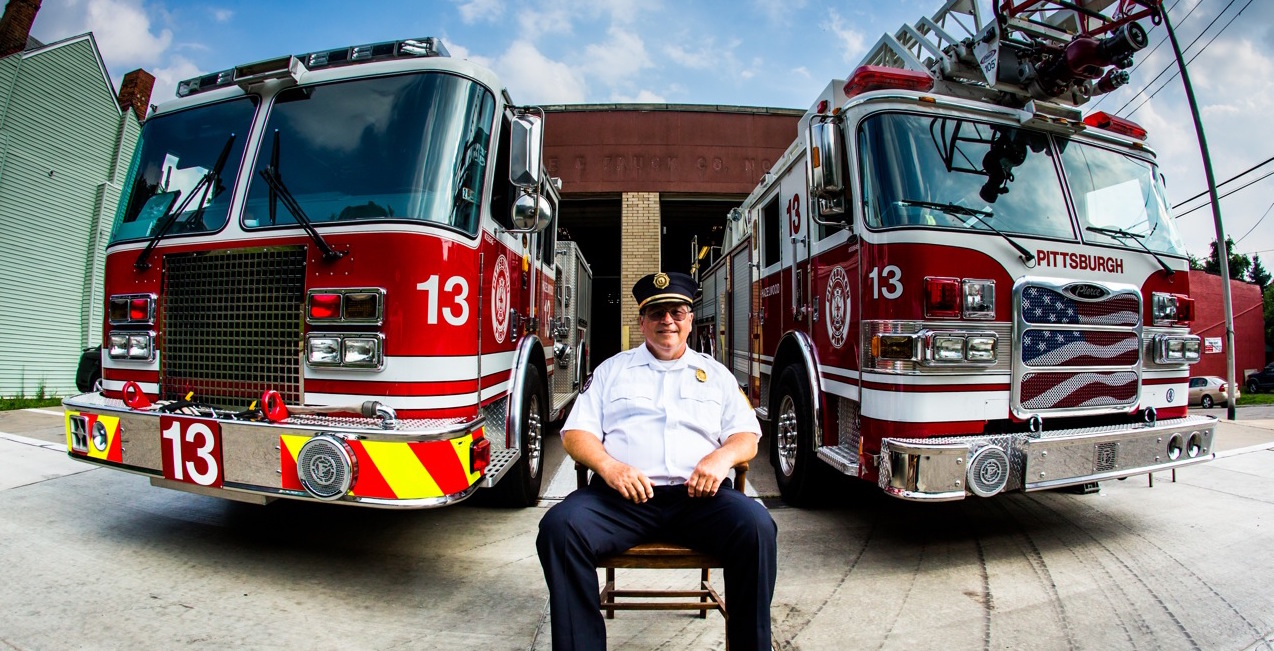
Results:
[1121, 234]
[208, 181]
[275, 183]
[956, 209]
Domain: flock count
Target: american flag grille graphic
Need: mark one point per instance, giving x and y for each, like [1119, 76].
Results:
[1077, 354]
[1074, 390]
[1049, 307]
[1079, 348]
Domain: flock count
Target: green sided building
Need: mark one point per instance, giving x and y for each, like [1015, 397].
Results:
[66, 141]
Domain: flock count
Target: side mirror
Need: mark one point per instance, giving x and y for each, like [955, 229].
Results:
[526, 145]
[827, 155]
[531, 213]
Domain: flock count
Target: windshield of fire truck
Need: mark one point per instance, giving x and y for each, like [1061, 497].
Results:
[914, 165]
[406, 147]
[175, 153]
[1115, 193]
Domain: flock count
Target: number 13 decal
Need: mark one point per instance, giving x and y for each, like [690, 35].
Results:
[794, 213]
[891, 277]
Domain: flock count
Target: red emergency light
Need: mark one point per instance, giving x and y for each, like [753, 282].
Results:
[868, 78]
[1185, 308]
[942, 298]
[325, 306]
[1104, 120]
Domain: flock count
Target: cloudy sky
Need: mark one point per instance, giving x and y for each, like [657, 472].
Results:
[777, 53]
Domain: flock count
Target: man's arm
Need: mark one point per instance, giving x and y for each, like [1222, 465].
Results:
[712, 469]
[631, 483]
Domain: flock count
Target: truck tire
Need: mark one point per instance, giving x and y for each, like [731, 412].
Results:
[792, 440]
[520, 487]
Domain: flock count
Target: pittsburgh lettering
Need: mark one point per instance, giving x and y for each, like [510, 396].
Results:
[1081, 261]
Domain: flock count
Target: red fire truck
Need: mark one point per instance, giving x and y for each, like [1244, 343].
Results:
[332, 277]
[953, 283]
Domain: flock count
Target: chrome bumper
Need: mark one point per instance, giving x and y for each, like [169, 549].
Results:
[254, 454]
[951, 468]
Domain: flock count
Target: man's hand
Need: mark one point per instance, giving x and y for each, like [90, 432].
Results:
[631, 483]
[707, 476]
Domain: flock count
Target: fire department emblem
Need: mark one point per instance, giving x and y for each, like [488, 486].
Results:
[500, 299]
[838, 307]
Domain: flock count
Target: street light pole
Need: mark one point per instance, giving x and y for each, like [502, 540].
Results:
[1223, 251]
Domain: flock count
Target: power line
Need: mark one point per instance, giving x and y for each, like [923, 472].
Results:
[1258, 223]
[1232, 178]
[1173, 68]
[1204, 205]
[1196, 54]
[1142, 58]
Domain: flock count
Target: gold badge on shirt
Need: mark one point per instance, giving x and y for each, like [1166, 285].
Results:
[701, 376]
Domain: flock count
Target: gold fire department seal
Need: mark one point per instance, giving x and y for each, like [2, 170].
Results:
[661, 280]
[701, 376]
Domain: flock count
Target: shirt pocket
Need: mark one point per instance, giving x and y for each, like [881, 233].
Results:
[630, 399]
[701, 409]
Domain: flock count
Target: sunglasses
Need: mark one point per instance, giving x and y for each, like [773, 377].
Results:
[658, 314]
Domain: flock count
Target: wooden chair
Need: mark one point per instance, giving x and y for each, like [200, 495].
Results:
[663, 555]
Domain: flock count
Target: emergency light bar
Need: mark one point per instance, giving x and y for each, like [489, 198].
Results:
[1104, 120]
[869, 78]
[289, 65]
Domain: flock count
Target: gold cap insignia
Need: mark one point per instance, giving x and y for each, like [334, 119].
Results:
[661, 280]
[701, 375]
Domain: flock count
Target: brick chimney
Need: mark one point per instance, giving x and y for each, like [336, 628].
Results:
[15, 27]
[135, 90]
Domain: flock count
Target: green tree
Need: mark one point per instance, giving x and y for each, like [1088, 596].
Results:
[1195, 263]
[1269, 315]
[1258, 275]
[1239, 263]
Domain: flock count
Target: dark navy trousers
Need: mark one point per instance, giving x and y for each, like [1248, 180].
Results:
[596, 521]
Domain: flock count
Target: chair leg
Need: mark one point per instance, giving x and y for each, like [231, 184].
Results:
[610, 590]
[704, 578]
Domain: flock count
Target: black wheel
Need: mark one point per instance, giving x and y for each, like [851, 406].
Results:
[792, 439]
[1253, 386]
[521, 486]
[1205, 401]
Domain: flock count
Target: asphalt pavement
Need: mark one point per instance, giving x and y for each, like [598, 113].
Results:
[96, 558]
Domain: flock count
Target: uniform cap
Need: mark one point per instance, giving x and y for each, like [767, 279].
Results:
[665, 288]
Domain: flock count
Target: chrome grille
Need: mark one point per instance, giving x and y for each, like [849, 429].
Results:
[232, 325]
[1077, 354]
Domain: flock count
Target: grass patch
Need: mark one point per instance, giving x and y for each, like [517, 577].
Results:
[7, 404]
[1249, 398]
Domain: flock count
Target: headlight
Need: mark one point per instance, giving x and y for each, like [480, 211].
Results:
[979, 299]
[361, 351]
[1163, 308]
[325, 351]
[139, 346]
[980, 349]
[1177, 349]
[118, 347]
[894, 347]
[948, 349]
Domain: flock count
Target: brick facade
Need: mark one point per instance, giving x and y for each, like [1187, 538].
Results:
[639, 253]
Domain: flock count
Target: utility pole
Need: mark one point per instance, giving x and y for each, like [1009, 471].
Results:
[1223, 252]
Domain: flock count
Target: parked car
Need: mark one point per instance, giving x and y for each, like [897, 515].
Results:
[1262, 380]
[1208, 390]
[88, 376]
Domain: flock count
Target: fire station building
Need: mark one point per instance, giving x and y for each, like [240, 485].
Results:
[646, 186]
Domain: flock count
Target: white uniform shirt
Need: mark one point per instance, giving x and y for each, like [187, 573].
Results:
[661, 417]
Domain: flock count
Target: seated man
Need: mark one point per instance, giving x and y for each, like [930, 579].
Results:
[660, 426]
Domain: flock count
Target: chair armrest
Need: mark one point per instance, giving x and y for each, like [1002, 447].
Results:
[740, 475]
[581, 475]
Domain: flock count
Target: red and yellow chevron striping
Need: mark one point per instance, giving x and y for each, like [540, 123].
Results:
[392, 470]
[114, 450]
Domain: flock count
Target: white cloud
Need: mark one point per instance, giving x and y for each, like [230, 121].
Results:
[779, 11]
[481, 10]
[534, 78]
[459, 51]
[122, 29]
[222, 15]
[167, 78]
[850, 41]
[642, 97]
[702, 59]
[618, 59]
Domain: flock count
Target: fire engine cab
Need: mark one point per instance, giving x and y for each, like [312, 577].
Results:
[953, 283]
[332, 277]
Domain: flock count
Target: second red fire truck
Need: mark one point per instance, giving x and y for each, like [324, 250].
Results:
[332, 277]
[953, 283]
